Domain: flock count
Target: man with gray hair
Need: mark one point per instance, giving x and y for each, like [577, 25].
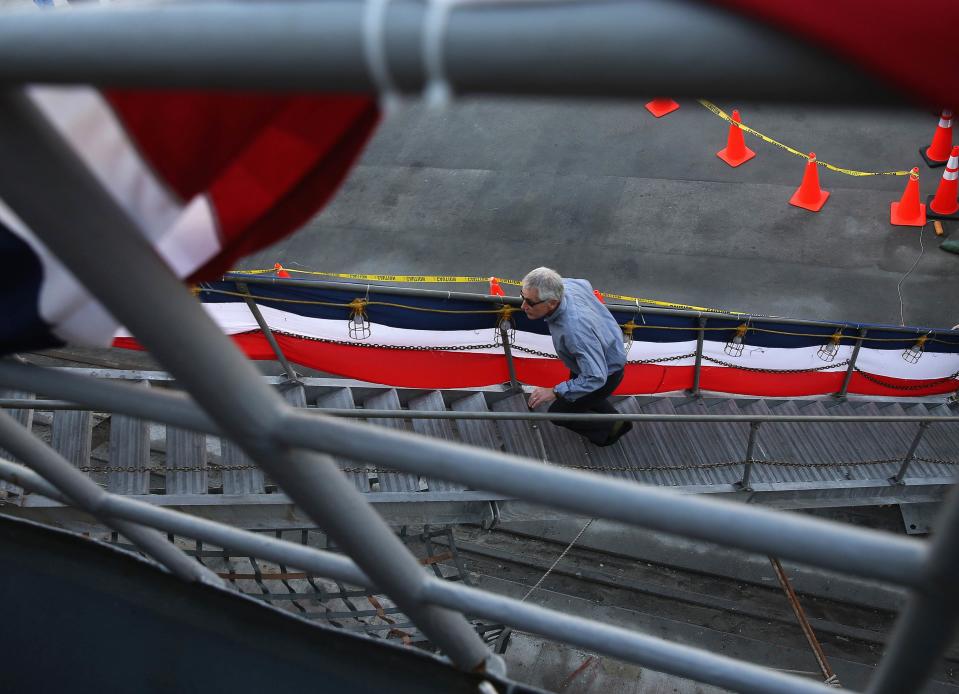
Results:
[589, 342]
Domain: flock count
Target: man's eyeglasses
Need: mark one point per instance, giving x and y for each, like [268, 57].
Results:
[531, 304]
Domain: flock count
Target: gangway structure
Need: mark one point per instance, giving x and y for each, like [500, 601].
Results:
[224, 395]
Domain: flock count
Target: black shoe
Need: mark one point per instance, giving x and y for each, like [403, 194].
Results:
[620, 429]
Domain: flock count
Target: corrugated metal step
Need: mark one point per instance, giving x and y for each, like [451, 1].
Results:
[437, 429]
[342, 399]
[939, 442]
[656, 450]
[718, 443]
[393, 481]
[519, 437]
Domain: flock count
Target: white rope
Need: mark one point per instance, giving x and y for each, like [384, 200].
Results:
[558, 559]
[902, 320]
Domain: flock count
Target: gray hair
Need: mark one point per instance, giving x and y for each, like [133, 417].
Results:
[546, 282]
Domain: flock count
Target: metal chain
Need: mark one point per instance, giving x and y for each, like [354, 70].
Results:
[657, 360]
[775, 371]
[191, 468]
[408, 348]
[689, 466]
[653, 360]
[877, 381]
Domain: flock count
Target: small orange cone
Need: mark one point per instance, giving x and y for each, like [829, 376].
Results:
[909, 212]
[809, 195]
[661, 105]
[937, 153]
[736, 152]
[944, 205]
[494, 288]
[599, 296]
[280, 272]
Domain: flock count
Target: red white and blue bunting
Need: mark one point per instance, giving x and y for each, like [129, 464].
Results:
[425, 342]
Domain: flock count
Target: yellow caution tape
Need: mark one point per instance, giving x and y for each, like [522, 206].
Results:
[449, 279]
[805, 155]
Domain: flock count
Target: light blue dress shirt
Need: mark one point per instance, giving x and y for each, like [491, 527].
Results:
[587, 339]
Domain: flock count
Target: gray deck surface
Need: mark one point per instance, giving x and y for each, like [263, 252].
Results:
[642, 206]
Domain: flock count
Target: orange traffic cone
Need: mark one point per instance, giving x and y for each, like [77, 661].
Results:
[280, 272]
[599, 296]
[736, 152]
[661, 105]
[944, 205]
[909, 212]
[809, 195]
[937, 153]
[494, 288]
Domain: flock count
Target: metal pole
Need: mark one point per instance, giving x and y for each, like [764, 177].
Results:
[87, 495]
[697, 367]
[852, 364]
[33, 404]
[265, 328]
[591, 48]
[117, 400]
[86, 229]
[898, 477]
[618, 642]
[748, 466]
[928, 624]
[252, 544]
[828, 675]
[829, 545]
[504, 335]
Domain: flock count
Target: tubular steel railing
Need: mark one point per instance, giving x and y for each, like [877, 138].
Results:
[592, 48]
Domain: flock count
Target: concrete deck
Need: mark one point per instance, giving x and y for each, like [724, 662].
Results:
[642, 206]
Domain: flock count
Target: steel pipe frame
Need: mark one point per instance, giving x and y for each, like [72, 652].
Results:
[698, 365]
[84, 493]
[621, 643]
[373, 289]
[748, 466]
[88, 224]
[511, 367]
[928, 623]
[916, 440]
[591, 48]
[844, 389]
[124, 508]
[822, 543]
[265, 329]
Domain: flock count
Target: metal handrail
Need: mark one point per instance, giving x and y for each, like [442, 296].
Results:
[361, 413]
[369, 289]
[618, 642]
[747, 527]
[600, 48]
[592, 48]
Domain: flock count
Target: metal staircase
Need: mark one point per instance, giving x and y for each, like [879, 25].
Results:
[798, 464]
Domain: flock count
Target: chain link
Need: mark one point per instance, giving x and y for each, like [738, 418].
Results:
[601, 468]
[407, 348]
[658, 360]
[191, 468]
[895, 386]
[812, 369]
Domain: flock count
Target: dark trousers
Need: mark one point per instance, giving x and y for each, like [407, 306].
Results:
[597, 432]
